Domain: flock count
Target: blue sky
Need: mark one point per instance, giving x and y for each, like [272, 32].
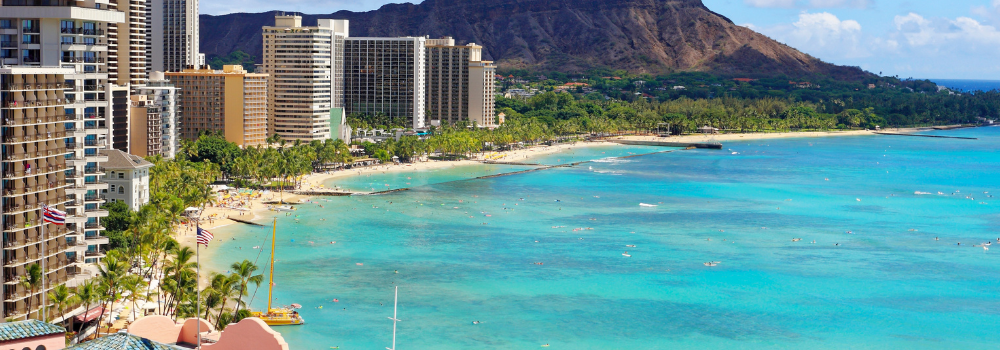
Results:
[957, 39]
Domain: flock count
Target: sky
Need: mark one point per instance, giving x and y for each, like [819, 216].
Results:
[943, 39]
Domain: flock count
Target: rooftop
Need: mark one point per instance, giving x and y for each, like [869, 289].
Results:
[121, 160]
[123, 341]
[27, 329]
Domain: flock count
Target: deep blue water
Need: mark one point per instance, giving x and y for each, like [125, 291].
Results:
[466, 250]
[968, 85]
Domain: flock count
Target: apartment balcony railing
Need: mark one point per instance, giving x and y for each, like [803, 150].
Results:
[93, 170]
[67, 59]
[94, 253]
[82, 31]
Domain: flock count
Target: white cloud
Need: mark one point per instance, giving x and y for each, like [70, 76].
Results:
[962, 33]
[914, 45]
[990, 13]
[771, 3]
[862, 4]
[822, 34]
[809, 3]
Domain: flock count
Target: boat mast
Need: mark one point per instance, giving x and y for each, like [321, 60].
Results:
[270, 281]
[395, 303]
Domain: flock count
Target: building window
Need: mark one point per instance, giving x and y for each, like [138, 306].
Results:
[112, 188]
[121, 175]
[121, 190]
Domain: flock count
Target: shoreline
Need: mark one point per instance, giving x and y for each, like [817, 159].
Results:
[316, 181]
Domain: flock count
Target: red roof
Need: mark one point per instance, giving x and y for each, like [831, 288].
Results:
[90, 315]
[745, 80]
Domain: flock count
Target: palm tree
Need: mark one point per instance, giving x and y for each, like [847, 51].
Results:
[244, 270]
[134, 285]
[30, 281]
[110, 273]
[180, 266]
[60, 297]
[86, 294]
[225, 286]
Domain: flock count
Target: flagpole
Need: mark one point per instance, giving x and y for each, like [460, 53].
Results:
[197, 258]
[44, 260]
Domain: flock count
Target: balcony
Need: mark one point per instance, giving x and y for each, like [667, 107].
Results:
[95, 240]
[94, 253]
[75, 219]
[82, 31]
[93, 170]
[96, 213]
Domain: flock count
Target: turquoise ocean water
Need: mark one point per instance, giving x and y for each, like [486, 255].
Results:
[466, 250]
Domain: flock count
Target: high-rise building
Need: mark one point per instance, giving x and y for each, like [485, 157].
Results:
[229, 100]
[70, 35]
[386, 76]
[120, 116]
[482, 94]
[172, 36]
[34, 172]
[127, 44]
[153, 122]
[460, 85]
[303, 85]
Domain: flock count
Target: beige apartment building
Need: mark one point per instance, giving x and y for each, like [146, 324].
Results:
[460, 85]
[303, 85]
[230, 100]
[70, 39]
[35, 168]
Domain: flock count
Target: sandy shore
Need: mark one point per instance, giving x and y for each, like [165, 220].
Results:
[315, 181]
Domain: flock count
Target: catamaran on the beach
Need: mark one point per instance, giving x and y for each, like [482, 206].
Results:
[282, 316]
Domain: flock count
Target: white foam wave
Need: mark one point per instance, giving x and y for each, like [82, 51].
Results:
[613, 160]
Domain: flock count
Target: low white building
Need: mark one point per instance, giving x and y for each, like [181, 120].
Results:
[128, 178]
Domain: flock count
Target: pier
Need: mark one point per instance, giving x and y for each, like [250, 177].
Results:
[244, 221]
[323, 192]
[382, 192]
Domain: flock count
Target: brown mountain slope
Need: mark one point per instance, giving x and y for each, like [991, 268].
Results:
[641, 36]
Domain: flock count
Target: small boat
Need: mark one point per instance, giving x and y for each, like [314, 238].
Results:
[284, 208]
[281, 316]
[646, 205]
[712, 263]
[796, 239]
[627, 255]
[630, 245]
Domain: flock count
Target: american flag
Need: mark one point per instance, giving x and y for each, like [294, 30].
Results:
[204, 236]
[53, 215]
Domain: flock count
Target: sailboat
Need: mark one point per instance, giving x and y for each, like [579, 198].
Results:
[281, 316]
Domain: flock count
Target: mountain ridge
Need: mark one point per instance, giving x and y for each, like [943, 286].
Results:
[639, 36]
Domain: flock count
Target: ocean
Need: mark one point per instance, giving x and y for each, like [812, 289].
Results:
[538, 258]
[968, 85]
